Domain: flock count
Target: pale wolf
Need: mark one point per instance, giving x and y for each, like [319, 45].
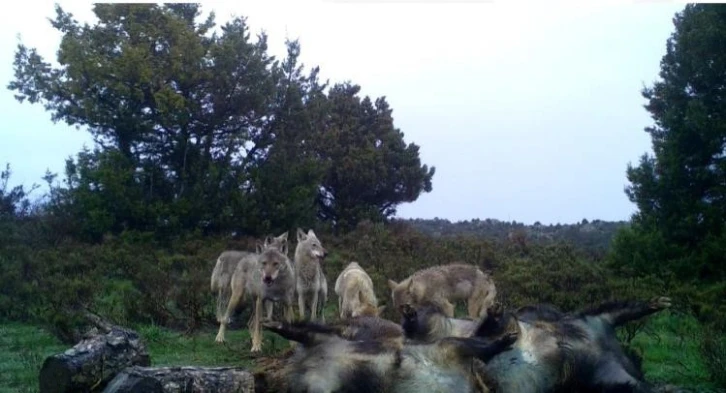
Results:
[328, 363]
[445, 284]
[355, 292]
[559, 351]
[229, 278]
[272, 280]
[311, 284]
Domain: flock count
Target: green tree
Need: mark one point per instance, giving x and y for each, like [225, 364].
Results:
[288, 175]
[370, 168]
[182, 111]
[680, 190]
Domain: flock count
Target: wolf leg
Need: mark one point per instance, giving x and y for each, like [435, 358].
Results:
[301, 304]
[256, 334]
[237, 293]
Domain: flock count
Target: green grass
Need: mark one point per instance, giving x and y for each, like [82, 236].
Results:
[669, 345]
[24, 348]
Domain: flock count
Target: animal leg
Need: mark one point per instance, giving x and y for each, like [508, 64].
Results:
[301, 304]
[448, 308]
[314, 306]
[268, 310]
[237, 294]
[256, 334]
[620, 313]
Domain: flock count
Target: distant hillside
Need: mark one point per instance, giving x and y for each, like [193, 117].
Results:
[595, 235]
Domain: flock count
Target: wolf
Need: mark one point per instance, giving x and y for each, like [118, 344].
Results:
[356, 297]
[558, 351]
[231, 287]
[445, 284]
[271, 280]
[328, 363]
[227, 263]
[311, 284]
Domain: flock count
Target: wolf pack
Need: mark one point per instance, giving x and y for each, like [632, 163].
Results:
[535, 348]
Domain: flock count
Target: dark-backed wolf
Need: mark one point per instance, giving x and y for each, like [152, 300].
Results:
[356, 297]
[229, 278]
[311, 284]
[445, 284]
[559, 351]
[327, 363]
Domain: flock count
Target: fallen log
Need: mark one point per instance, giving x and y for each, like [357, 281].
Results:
[94, 361]
[182, 380]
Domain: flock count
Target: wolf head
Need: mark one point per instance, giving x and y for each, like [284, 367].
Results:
[308, 245]
[271, 262]
[278, 242]
[401, 293]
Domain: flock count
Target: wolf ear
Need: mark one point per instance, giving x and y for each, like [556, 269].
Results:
[392, 284]
[311, 233]
[259, 247]
[268, 240]
[283, 237]
[410, 285]
[301, 236]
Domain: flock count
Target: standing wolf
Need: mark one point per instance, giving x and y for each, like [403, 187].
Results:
[311, 284]
[229, 278]
[354, 288]
[271, 280]
[445, 284]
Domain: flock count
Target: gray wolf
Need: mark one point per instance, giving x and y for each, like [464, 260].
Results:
[311, 284]
[229, 278]
[445, 284]
[272, 280]
[327, 363]
[558, 351]
[356, 297]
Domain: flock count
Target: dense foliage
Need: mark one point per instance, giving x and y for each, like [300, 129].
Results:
[200, 130]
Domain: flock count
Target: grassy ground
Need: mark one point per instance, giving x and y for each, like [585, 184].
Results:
[669, 345]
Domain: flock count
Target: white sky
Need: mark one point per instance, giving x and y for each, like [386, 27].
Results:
[529, 112]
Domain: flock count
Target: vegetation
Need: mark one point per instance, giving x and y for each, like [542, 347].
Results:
[205, 142]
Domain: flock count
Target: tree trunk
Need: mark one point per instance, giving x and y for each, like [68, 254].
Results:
[93, 362]
[182, 380]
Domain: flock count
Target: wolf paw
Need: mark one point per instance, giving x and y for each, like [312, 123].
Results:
[660, 302]
[219, 338]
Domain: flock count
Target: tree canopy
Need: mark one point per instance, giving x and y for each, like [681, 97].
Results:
[198, 129]
[680, 190]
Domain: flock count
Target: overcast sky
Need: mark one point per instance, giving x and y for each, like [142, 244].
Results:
[528, 112]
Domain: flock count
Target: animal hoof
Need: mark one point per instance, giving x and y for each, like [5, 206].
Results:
[661, 302]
